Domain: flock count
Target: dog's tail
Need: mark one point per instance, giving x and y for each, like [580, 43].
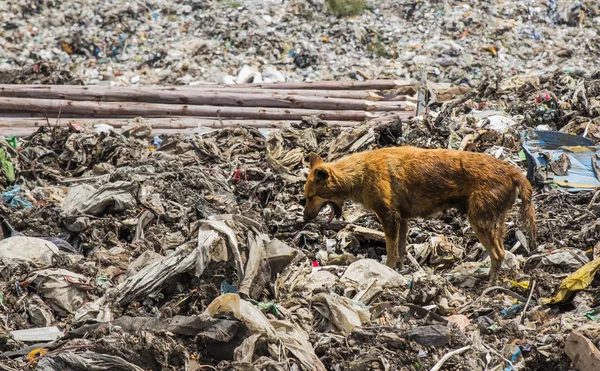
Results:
[527, 210]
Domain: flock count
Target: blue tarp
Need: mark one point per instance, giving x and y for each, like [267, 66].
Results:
[543, 147]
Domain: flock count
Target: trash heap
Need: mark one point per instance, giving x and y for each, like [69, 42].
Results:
[127, 43]
[135, 251]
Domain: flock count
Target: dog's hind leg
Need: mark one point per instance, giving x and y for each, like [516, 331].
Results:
[391, 229]
[488, 225]
[487, 236]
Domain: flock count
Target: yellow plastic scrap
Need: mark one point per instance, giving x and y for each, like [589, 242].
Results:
[36, 352]
[577, 149]
[491, 49]
[66, 47]
[522, 284]
[577, 281]
[567, 184]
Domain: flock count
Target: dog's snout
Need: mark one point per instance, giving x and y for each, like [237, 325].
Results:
[302, 201]
[307, 215]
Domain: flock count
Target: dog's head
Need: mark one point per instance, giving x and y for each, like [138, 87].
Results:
[322, 188]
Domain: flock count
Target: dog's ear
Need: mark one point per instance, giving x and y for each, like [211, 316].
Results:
[321, 174]
[314, 160]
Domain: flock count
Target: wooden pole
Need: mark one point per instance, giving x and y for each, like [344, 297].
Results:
[166, 123]
[332, 85]
[400, 85]
[12, 91]
[103, 109]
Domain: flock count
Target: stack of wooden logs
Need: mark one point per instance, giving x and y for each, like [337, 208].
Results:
[24, 108]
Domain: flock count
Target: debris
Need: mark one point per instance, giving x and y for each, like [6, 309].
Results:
[545, 148]
[365, 272]
[86, 199]
[293, 339]
[462, 321]
[86, 360]
[38, 334]
[531, 291]
[582, 352]
[436, 336]
[14, 198]
[146, 258]
[39, 313]
[344, 313]
[38, 252]
[438, 366]
[64, 290]
[568, 258]
[491, 289]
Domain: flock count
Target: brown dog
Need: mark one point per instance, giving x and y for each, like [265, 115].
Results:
[402, 183]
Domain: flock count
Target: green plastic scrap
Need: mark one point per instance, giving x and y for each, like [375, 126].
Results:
[493, 328]
[594, 315]
[6, 166]
[102, 279]
[267, 307]
[12, 140]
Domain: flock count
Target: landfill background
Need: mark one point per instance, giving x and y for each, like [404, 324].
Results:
[138, 251]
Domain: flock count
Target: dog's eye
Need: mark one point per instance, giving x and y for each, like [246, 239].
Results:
[303, 201]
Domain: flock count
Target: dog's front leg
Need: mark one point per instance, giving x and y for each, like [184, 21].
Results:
[402, 240]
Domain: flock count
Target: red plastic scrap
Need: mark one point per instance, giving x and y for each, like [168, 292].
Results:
[237, 175]
[543, 98]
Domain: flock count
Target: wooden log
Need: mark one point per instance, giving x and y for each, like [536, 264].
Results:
[104, 109]
[404, 115]
[347, 94]
[370, 95]
[166, 123]
[363, 233]
[334, 85]
[400, 86]
[214, 98]
[398, 98]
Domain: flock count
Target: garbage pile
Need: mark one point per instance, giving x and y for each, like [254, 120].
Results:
[160, 42]
[135, 251]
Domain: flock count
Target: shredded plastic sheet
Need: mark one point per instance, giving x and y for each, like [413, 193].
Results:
[577, 281]
[545, 148]
[294, 339]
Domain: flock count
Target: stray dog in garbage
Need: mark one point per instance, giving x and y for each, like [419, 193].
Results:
[402, 183]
